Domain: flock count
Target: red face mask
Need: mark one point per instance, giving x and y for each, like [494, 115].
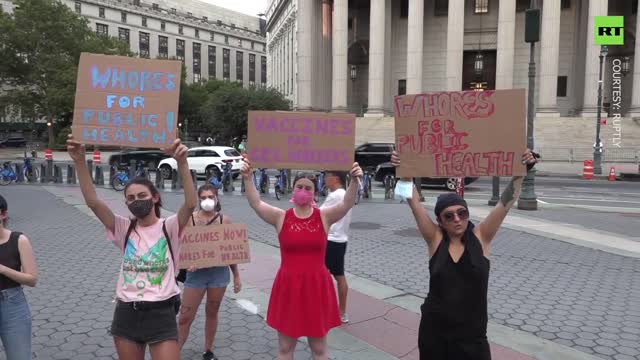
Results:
[302, 197]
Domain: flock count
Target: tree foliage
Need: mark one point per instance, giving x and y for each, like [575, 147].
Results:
[40, 47]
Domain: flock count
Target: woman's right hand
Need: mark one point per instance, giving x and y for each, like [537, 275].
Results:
[75, 149]
[395, 159]
[245, 170]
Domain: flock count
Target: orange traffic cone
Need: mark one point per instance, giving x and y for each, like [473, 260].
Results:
[612, 174]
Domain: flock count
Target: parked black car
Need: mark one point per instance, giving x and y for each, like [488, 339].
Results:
[370, 155]
[386, 168]
[150, 158]
[13, 141]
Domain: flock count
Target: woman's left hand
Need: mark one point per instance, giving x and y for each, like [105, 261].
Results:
[528, 158]
[178, 151]
[356, 171]
[237, 285]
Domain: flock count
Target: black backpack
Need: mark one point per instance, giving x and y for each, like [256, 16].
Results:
[182, 274]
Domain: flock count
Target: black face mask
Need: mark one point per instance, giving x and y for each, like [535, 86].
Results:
[141, 208]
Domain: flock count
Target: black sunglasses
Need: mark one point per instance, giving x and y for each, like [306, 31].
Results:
[449, 216]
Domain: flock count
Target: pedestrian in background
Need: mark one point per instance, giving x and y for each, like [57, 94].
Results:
[337, 238]
[213, 280]
[148, 296]
[454, 314]
[303, 298]
[17, 268]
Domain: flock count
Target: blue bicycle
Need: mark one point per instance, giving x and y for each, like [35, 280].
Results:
[28, 171]
[321, 186]
[280, 187]
[121, 178]
[261, 180]
[364, 190]
[227, 178]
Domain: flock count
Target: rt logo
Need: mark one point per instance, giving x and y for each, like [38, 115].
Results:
[609, 30]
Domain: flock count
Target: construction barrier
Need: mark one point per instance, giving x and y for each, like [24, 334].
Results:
[96, 156]
[48, 154]
[612, 174]
[587, 171]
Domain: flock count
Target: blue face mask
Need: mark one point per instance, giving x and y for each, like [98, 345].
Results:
[404, 189]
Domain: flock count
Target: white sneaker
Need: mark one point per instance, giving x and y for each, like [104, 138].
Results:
[344, 318]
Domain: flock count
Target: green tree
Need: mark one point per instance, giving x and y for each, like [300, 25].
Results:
[40, 47]
[225, 111]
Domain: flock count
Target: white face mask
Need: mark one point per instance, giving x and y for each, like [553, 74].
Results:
[208, 204]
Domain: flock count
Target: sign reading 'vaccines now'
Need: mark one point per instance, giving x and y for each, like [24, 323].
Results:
[126, 101]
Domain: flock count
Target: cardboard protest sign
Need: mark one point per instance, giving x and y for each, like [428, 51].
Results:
[214, 245]
[301, 140]
[126, 101]
[461, 133]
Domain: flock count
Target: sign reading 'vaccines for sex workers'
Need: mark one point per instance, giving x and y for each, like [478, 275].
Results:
[301, 140]
[461, 133]
[126, 101]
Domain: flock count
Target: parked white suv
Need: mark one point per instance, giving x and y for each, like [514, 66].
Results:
[206, 160]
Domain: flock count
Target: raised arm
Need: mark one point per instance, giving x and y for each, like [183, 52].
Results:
[488, 228]
[99, 208]
[270, 214]
[29, 274]
[179, 152]
[333, 214]
[429, 230]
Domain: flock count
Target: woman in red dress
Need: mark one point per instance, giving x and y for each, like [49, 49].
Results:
[303, 300]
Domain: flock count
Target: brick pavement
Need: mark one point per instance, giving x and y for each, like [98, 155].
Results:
[575, 296]
[72, 304]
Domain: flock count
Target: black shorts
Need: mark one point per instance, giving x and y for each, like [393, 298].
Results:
[334, 258]
[146, 325]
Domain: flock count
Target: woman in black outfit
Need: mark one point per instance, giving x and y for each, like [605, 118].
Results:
[454, 314]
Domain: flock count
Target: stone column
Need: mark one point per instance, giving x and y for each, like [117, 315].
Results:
[549, 50]
[415, 35]
[592, 61]
[506, 44]
[455, 45]
[634, 110]
[305, 18]
[340, 49]
[376, 58]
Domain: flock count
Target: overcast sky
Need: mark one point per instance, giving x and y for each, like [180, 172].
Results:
[249, 7]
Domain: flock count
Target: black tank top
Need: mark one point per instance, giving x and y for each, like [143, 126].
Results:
[10, 257]
[456, 306]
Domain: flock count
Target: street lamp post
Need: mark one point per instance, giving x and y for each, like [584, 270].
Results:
[597, 148]
[528, 200]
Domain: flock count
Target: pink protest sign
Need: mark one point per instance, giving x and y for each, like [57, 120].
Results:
[301, 140]
[461, 133]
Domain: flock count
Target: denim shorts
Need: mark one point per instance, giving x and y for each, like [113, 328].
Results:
[15, 324]
[146, 326]
[213, 277]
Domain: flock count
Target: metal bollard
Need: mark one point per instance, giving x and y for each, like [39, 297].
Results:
[112, 172]
[19, 173]
[99, 176]
[175, 180]
[159, 180]
[71, 174]
[43, 173]
[242, 189]
[194, 178]
[132, 169]
[50, 171]
[90, 167]
[56, 170]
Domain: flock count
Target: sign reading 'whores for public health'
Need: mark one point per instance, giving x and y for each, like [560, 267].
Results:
[301, 140]
[126, 101]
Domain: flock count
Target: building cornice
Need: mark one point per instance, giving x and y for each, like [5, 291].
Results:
[288, 24]
[178, 18]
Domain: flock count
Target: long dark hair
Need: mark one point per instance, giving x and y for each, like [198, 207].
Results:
[308, 176]
[214, 190]
[3, 208]
[152, 189]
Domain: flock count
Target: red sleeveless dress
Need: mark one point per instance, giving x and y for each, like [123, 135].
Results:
[303, 299]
